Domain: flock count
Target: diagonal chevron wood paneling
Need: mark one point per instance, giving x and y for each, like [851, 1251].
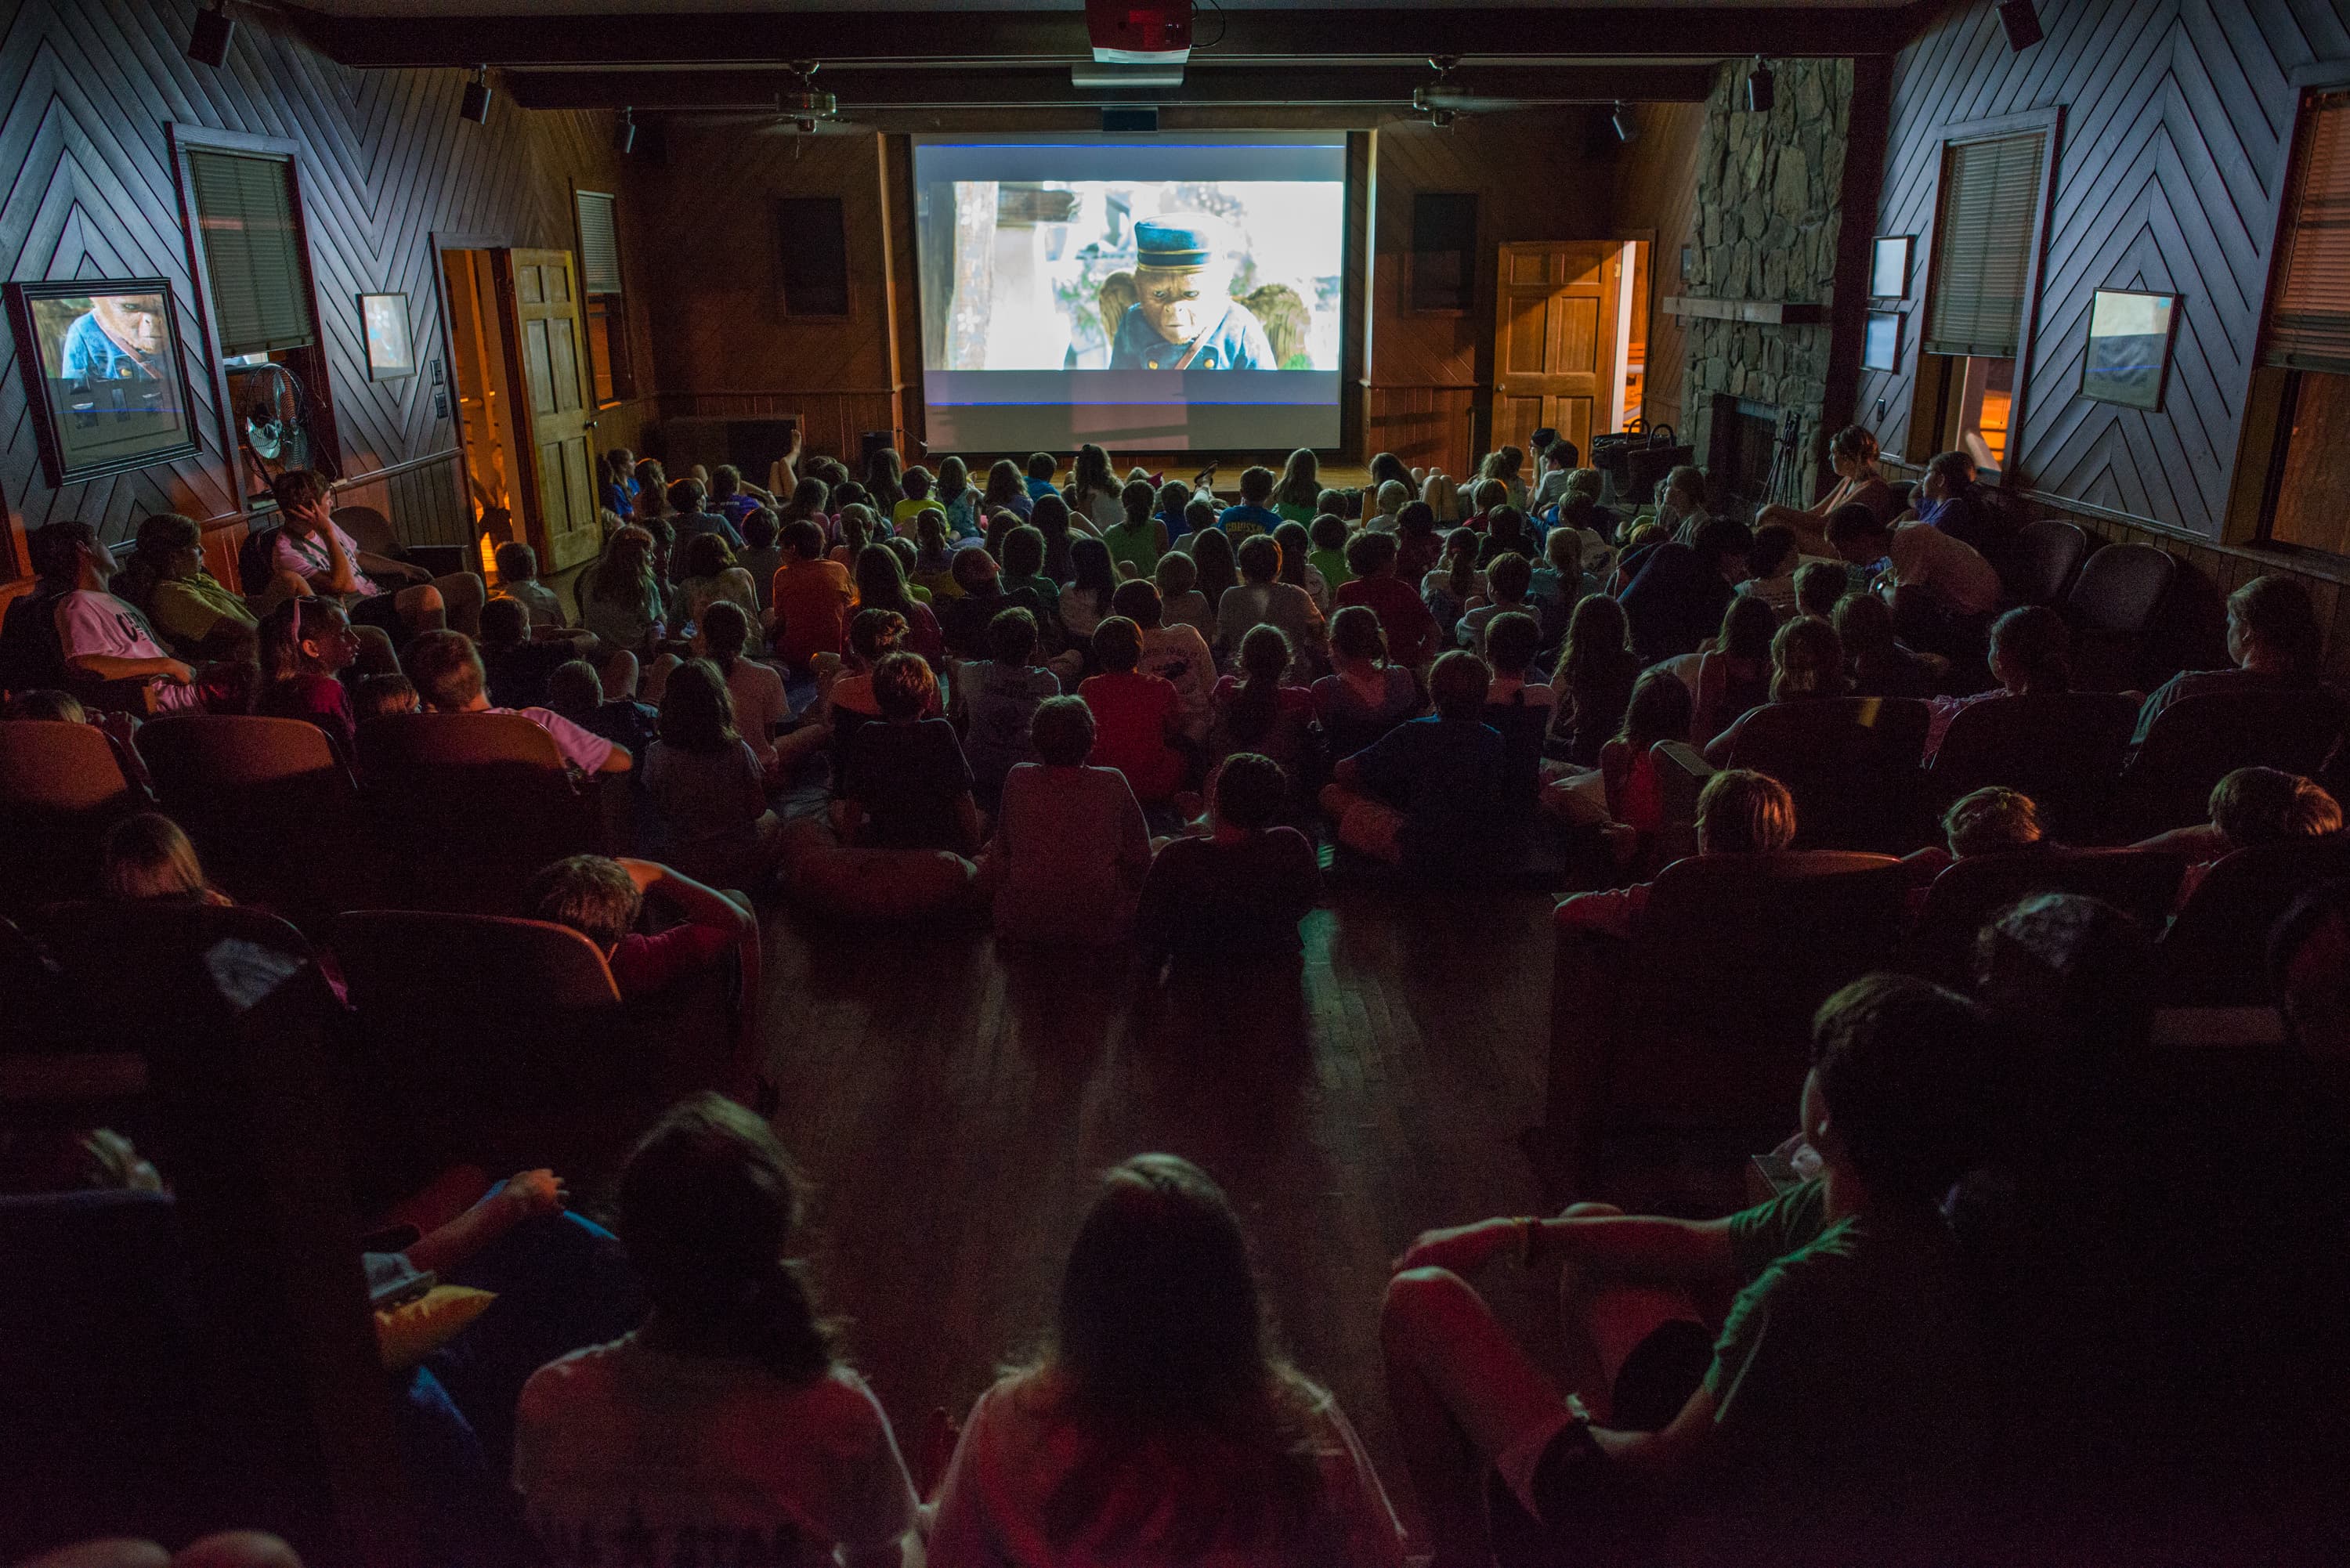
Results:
[87, 89]
[2178, 121]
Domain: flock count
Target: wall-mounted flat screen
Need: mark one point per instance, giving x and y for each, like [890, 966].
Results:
[1172, 293]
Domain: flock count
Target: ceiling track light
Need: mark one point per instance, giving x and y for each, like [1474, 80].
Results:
[1761, 89]
[208, 39]
[1620, 119]
[2022, 20]
[624, 133]
[476, 104]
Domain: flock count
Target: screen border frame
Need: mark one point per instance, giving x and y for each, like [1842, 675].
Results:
[54, 465]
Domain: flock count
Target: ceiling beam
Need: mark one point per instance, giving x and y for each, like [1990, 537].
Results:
[1007, 87]
[977, 37]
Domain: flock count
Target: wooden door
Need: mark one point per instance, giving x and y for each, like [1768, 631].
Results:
[1555, 343]
[555, 414]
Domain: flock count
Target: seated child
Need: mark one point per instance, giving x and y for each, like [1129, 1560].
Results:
[760, 555]
[1819, 585]
[1518, 705]
[1841, 1412]
[450, 679]
[1328, 556]
[1880, 666]
[1177, 654]
[1180, 602]
[147, 858]
[1372, 564]
[1070, 846]
[1366, 693]
[1255, 711]
[708, 786]
[1773, 561]
[996, 698]
[519, 579]
[1623, 794]
[576, 691]
[903, 781]
[1239, 892]
[1993, 820]
[514, 662]
[376, 696]
[1738, 812]
[1137, 717]
[2250, 807]
[603, 900]
[1427, 795]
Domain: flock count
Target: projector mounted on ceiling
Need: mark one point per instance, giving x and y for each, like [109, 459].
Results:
[1140, 32]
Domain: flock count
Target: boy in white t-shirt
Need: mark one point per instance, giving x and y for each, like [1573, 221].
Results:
[447, 670]
[101, 637]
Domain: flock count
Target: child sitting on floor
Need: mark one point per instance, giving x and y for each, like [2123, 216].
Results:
[1427, 794]
[1328, 556]
[996, 698]
[1240, 892]
[519, 579]
[603, 899]
[1180, 602]
[1137, 717]
[904, 783]
[706, 783]
[1738, 812]
[1623, 796]
[1070, 846]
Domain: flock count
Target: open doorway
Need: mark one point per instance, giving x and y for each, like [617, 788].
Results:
[1570, 338]
[478, 365]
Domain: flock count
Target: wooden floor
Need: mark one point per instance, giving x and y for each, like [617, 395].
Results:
[951, 1103]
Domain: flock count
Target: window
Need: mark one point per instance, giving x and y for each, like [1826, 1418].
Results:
[610, 364]
[245, 208]
[2304, 360]
[1443, 252]
[812, 240]
[1986, 253]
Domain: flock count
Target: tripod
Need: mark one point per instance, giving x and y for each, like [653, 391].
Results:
[1783, 484]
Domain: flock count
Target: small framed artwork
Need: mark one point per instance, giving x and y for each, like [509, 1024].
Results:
[1889, 267]
[1880, 341]
[108, 388]
[384, 318]
[2130, 336]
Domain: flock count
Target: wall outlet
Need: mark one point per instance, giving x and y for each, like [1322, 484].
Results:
[436, 372]
[440, 405]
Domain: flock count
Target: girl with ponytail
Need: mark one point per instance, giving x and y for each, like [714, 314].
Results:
[728, 1415]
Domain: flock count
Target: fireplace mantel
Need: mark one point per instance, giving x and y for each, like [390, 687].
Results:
[1766, 312]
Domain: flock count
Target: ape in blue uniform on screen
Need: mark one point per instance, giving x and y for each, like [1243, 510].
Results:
[1185, 318]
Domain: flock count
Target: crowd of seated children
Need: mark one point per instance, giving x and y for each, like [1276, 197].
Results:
[1069, 849]
[707, 786]
[651, 1436]
[449, 677]
[1807, 666]
[1160, 1425]
[903, 781]
[1942, 590]
[2273, 638]
[1839, 1412]
[1177, 654]
[1366, 693]
[2250, 807]
[1427, 794]
[1738, 812]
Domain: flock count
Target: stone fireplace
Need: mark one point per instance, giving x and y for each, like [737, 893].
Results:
[1769, 198]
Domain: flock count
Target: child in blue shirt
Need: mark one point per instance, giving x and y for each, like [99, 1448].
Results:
[1253, 515]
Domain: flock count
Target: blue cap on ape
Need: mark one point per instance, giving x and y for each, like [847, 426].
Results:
[1178, 243]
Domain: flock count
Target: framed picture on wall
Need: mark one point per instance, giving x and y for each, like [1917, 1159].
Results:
[104, 378]
[1889, 267]
[1880, 341]
[383, 318]
[2130, 334]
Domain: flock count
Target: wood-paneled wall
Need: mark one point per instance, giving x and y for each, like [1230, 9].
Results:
[89, 87]
[1431, 374]
[2177, 123]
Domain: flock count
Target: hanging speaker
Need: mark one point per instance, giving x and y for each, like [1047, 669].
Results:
[1761, 91]
[208, 39]
[476, 104]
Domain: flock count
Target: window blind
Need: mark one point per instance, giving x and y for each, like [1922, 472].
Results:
[1982, 245]
[2309, 316]
[599, 246]
[253, 253]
